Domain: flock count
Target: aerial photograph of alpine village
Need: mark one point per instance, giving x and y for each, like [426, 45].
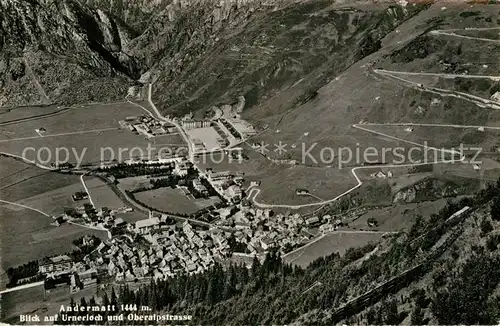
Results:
[249, 162]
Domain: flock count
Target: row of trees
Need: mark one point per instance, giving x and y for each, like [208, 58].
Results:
[27, 270]
[132, 170]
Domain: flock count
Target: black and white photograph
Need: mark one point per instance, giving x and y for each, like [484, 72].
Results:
[249, 162]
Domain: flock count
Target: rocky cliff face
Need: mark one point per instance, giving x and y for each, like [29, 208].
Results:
[197, 53]
[48, 47]
[135, 13]
[214, 53]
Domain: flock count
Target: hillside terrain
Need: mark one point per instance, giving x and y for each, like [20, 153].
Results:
[263, 56]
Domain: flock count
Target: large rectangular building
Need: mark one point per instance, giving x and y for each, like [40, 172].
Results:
[56, 264]
[192, 124]
[147, 225]
[219, 176]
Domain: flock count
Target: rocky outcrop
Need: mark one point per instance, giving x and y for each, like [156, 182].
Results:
[216, 51]
[435, 188]
[48, 46]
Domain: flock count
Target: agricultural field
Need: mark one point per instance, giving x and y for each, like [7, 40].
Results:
[26, 234]
[328, 244]
[132, 217]
[168, 141]
[279, 185]
[20, 180]
[19, 302]
[279, 182]
[54, 201]
[16, 114]
[102, 195]
[397, 218]
[406, 176]
[132, 183]
[83, 134]
[172, 201]
[445, 138]
[343, 146]
[81, 117]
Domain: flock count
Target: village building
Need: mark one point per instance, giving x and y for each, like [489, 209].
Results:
[266, 243]
[219, 176]
[198, 145]
[192, 124]
[182, 168]
[312, 220]
[147, 225]
[495, 97]
[198, 186]
[79, 195]
[234, 192]
[56, 264]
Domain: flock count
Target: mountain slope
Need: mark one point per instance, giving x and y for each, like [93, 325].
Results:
[49, 47]
[220, 57]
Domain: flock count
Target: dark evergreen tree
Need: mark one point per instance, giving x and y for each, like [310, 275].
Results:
[417, 316]
[495, 208]
[105, 299]
[114, 300]
[486, 227]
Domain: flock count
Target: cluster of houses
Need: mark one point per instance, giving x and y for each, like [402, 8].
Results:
[147, 126]
[103, 218]
[226, 183]
[198, 186]
[182, 167]
[62, 270]
[222, 140]
[173, 249]
[381, 175]
[170, 249]
[260, 229]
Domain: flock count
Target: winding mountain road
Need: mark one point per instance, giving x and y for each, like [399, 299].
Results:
[449, 32]
[435, 74]
[479, 101]
[253, 192]
[163, 118]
